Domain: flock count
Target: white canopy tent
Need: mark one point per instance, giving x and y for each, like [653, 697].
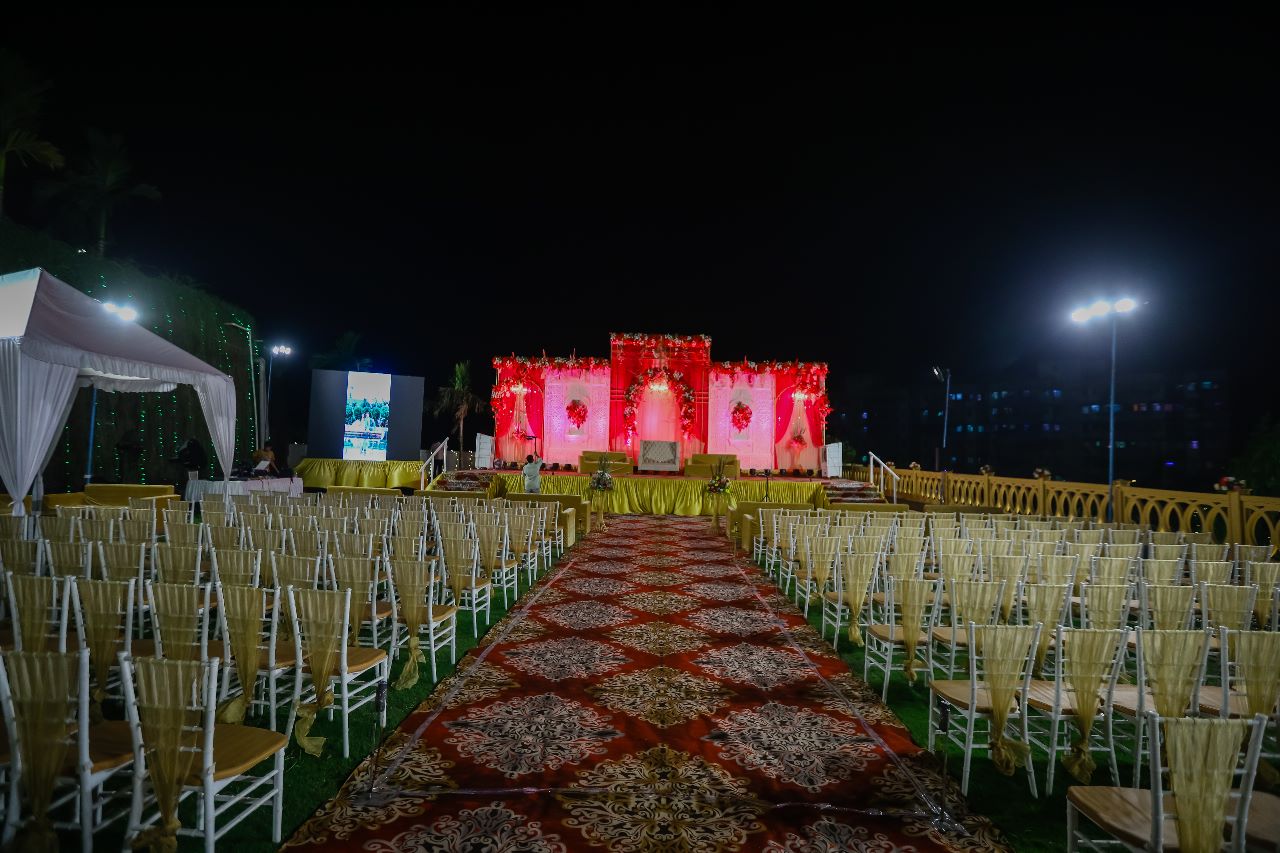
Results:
[55, 339]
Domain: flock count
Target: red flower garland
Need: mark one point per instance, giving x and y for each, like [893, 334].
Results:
[577, 412]
[675, 380]
[740, 415]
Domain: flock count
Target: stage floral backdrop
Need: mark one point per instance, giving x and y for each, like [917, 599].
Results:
[661, 387]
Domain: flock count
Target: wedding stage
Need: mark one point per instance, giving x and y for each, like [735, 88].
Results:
[662, 391]
[641, 495]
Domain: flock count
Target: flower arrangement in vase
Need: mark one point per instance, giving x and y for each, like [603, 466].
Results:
[986, 470]
[1042, 474]
[1230, 484]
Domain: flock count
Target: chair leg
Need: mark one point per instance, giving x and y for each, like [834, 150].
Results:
[1053, 756]
[210, 817]
[431, 645]
[277, 801]
[933, 709]
[970, 722]
[1072, 827]
[86, 814]
[346, 718]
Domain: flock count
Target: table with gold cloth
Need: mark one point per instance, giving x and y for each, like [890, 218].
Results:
[323, 473]
[670, 495]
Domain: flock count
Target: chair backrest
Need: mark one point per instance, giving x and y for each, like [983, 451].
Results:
[1165, 537]
[1254, 553]
[177, 563]
[1166, 607]
[1162, 572]
[1089, 537]
[249, 619]
[1227, 606]
[268, 541]
[1250, 674]
[1172, 666]
[135, 531]
[21, 556]
[1199, 762]
[221, 536]
[1113, 570]
[39, 608]
[958, 567]
[45, 702]
[975, 601]
[1202, 547]
[1087, 661]
[1105, 606]
[1010, 571]
[298, 572]
[1171, 551]
[1047, 605]
[104, 614]
[170, 705]
[1055, 569]
[1212, 571]
[59, 529]
[181, 614]
[181, 533]
[121, 561]
[1266, 577]
[236, 566]
[67, 558]
[1125, 536]
[1130, 550]
[1000, 659]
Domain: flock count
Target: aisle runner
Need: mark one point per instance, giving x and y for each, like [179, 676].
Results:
[656, 695]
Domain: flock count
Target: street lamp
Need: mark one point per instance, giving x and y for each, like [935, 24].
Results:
[125, 314]
[284, 352]
[1103, 308]
[943, 375]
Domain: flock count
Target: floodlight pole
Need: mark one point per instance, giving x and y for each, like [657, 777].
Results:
[1111, 427]
[93, 421]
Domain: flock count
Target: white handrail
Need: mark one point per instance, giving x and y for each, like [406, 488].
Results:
[871, 469]
[442, 450]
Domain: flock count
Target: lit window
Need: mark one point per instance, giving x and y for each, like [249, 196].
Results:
[1044, 427]
[1084, 410]
[864, 416]
[1057, 427]
[1120, 445]
[980, 428]
[1206, 385]
[1095, 408]
[1155, 407]
[1057, 392]
[959, 428]
[1195, 445]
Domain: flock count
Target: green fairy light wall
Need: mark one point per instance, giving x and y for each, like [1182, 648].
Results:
[136, 435]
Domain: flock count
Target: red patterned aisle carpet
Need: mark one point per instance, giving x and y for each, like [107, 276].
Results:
[653, 693]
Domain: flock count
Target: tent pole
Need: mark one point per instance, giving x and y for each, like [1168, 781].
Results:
[93, 421]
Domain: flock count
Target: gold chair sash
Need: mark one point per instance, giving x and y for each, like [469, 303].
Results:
[33, 598]
[1171, 661]
[413, 582]
[1004, 650]
[1257, 659]
[1044, 605]
[1089, 656]
[1227, 606]
[1007, 570]
[177, 609]
[1169, 604]
[103, 606]
[857, 569]
[43, 686]
[244, 625]
[164, 688]
[912, 596]
[319, 614]
[1202, 755]
[974, 601]
[1107, 605]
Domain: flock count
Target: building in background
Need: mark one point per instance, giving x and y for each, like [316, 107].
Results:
[1173, 429]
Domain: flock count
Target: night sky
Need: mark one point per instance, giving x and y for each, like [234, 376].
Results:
[881, 194]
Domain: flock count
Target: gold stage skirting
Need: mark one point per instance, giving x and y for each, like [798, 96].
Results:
[670, 496]
[323, 473]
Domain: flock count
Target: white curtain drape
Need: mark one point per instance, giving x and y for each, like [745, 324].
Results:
[218, 402]
[34, 400]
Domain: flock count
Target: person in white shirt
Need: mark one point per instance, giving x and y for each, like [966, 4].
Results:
[532, 474]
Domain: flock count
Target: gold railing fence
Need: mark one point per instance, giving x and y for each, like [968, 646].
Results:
[1230, 516]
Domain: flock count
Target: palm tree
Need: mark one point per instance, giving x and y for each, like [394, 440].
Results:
[21, 97]
[343, 355]
[102, 182]
[457, 399]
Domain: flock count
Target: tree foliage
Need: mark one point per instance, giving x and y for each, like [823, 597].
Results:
[1259, 465]
[344, 355]
[21, 101]
[459, 400]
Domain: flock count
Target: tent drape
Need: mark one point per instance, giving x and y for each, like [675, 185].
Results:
[53, 338]
[34, 396]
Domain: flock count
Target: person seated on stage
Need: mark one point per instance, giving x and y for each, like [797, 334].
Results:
[264, 462]
[532, 474]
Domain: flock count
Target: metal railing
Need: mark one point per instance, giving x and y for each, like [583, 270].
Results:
[875, 462]
[442, 450]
